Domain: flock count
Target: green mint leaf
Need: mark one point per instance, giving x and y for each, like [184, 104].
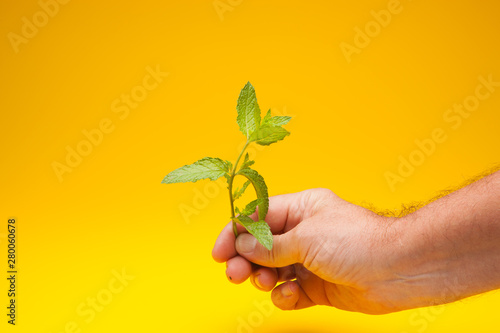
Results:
[248, 110]
[247, 158]
[247, 162]
[208, 167]
[237, 210]
[275, 121]
[229, 166]
[268, 134]
[260, 189]
[259, 229]
[266, 118]
[250, 208]
[239, 192]
[279, 120]
[228, 179]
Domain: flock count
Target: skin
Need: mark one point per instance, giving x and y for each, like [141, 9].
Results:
[328, 251]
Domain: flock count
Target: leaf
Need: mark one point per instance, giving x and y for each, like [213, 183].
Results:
[266, 118]
[267, 134]
[247, 162]
[259, 229]
[279, 120]
[248, 110]
[228, 179]
[239, 192]
[229, 166]
[250, 208]
[208, 167]
[275, 121]
[260, 189]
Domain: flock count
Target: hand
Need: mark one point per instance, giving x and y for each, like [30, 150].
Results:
[327, 250]
[331, 252]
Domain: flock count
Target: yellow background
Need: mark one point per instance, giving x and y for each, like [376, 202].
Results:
[350, 123]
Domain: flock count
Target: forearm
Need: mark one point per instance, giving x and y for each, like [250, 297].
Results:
[450, 249]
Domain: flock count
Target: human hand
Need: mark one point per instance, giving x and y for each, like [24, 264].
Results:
[327, 250]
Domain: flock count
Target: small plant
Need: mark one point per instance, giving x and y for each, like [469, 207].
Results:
[264, 132]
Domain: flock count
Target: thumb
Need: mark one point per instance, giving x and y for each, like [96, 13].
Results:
[286, 249]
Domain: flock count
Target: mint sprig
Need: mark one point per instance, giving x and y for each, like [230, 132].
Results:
[265, 131]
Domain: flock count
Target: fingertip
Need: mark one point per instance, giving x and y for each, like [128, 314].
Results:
[245, 244]
[291, 296]
[217, 257]
[286, 295]
[224, 245]
[238, 269]
[264, 278]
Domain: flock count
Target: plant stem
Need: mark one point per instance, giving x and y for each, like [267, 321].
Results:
[230, 187]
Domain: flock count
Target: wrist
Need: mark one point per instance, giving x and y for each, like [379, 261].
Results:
[385, 280]
[400, 278]
[408, 270]
[418, 264]
[440, 256]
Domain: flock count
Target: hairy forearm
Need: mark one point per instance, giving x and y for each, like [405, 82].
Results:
[450, 249]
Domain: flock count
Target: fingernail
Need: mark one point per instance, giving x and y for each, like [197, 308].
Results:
[245, 243]
[257, 282]
[286, 291]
